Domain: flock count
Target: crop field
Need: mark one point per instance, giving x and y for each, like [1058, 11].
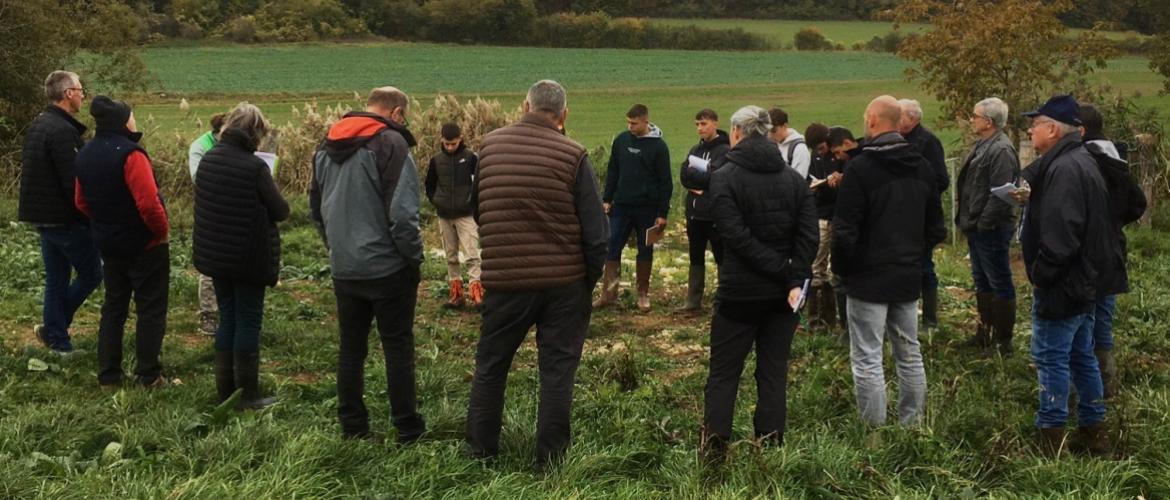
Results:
[639, 391]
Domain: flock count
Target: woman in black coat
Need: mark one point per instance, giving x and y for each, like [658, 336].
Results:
[766, 217]
[237, 244]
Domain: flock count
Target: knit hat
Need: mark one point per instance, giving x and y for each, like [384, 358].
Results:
[109, 114]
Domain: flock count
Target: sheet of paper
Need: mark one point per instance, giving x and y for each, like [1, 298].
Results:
[271, 159]
[1005, 193]
[697, 163]
[816, 183]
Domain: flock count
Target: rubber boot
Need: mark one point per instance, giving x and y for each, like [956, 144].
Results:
[1093, 440]
[1108, 371]
[642, 274]
[455, 298]
[828, 305]
[225, 378]
[247, 372]
[843, 317]
[929, 308]
[609, 284]
[696, 280]
[1003, 322]
[475, 293]
[1051, 441]
[982, 337]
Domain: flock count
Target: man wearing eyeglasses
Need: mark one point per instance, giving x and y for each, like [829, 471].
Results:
[72, 266]
[1065, 240]
[988, 222]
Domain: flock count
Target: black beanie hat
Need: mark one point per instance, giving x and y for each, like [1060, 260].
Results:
[109, 114]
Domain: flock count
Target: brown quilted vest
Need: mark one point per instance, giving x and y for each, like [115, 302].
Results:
[528, 225]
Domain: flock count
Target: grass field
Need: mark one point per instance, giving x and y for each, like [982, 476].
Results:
[639, 389]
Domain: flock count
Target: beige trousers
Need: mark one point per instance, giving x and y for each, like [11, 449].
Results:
[460, 236]
[822, 274]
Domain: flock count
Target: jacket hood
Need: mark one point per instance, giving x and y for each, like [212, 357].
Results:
[721, 137]
[758, 154]
[238, 138]
[893, 152]
[652, 133]
[793, 136]
[1105, 147]
[354, 130]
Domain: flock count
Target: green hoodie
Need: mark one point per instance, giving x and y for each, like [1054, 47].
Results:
[639, 171]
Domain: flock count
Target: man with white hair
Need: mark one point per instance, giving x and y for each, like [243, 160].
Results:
[543, 231]
[911, 128]
[47, 179]
[1066, 244]
[887, 212]
[989, 223]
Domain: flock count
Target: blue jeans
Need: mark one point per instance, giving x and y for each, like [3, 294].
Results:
[65, 249]
[241, 314]
[991, 266]
[1063, 349]
[626, 218]
[1103, 322]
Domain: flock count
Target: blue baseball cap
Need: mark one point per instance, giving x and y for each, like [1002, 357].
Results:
[1062, 108]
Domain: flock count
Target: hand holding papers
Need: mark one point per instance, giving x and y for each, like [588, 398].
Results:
[654, 234]
[697, 163]
[1009, 193]
[815, 183]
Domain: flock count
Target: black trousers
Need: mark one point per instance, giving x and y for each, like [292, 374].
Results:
[391, 300]
[145, 278]
[699, 233]
[734, 329]
[561, 316]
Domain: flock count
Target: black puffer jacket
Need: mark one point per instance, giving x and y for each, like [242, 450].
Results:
[46, 172]
[767, 220]
[449, 180]
[888, 216]
[699, 205]
[237, 206]
[822, 167]
[1066, 238]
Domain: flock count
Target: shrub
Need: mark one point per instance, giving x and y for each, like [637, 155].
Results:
[392, 18]
[888, 43]
[811, 39]
[304, 20]
[597, 29]
[476, 117]
[483, 21]
[240, 30]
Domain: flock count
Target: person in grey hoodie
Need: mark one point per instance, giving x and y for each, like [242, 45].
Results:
[365, 200]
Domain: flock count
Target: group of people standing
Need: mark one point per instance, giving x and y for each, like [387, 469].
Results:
[847, 225]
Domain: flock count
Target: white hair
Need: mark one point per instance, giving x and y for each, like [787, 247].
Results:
[752, 121]
[911, 108]
[995, 110]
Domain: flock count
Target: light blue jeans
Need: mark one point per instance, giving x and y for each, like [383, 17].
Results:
[869, 324]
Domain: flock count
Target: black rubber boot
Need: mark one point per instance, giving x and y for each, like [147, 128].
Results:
[982, 337]
[248, 378]
[225, 377]
[1003, 322]
[696, 280]
[929, 308]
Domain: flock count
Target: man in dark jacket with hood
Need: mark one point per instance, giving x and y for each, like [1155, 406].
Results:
[766, 216]
[1066, 242]
[638, 187]
[117, 190]
[927, 144]
[449, 184]
[46, 201]
[887, 215]
[695, 176]
[365, 200]
[1127, 203]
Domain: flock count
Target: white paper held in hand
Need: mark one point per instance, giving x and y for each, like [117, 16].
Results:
[697, 163]
[1005, 193]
